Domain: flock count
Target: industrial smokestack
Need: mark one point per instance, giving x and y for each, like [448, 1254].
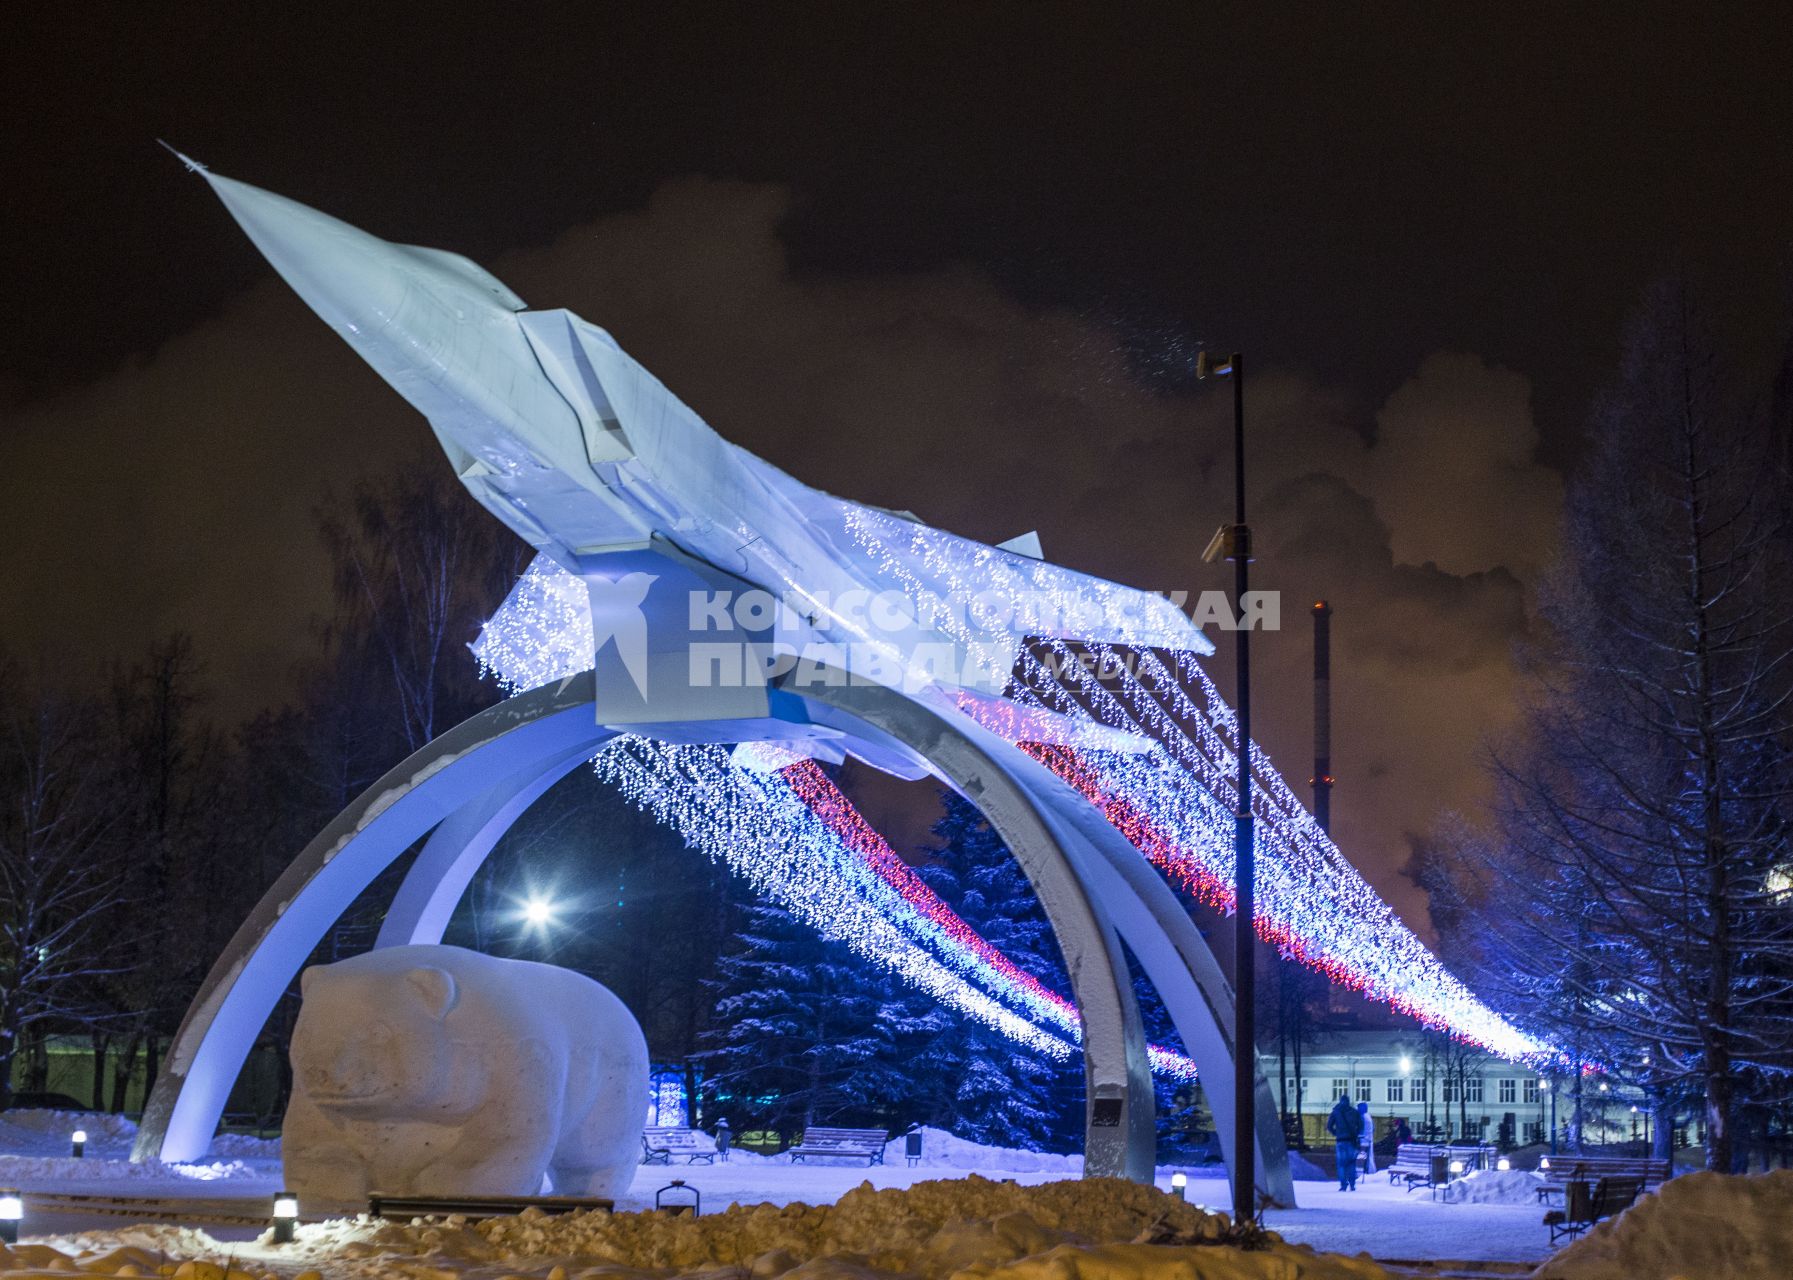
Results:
[1322, 779]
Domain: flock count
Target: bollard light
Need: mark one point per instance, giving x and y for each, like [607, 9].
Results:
[1179, 1185]
[1543, 1162]
[12, 1209]
[1456, 1166]
[286, 1216]
[77, 1142]
[1503, 1164]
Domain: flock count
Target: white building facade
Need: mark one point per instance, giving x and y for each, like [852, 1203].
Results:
[1444, 1091]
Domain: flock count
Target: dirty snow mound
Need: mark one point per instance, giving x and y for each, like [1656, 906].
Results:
[969, 1228]
[1493, 1186]
[1698, 1225]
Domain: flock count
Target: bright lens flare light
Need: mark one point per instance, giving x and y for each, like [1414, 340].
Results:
[538, 913]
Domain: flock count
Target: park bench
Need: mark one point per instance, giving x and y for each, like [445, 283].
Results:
[1472, 1155]
[858, 1144]
[1559, 1171]
[1583, 1207]
[660, 1143]
[1419, 1166]
[380, 1205]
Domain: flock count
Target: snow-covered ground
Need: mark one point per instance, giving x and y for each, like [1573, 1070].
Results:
[1699, 1226]
[240, 1174]
[964, 1228]
[35, 1156]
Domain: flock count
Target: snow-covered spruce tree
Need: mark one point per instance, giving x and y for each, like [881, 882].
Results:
[1634, 897]
[973, 1080]
[806, 1032]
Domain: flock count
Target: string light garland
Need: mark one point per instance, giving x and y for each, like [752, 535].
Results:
[777, 820]
[790, 832]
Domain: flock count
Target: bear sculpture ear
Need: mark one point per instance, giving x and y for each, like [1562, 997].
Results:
[436, 988]
[306, 978]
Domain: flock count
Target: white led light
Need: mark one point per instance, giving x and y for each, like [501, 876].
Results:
[1173, 798]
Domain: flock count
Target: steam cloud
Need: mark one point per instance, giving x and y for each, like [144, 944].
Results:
[178, 491]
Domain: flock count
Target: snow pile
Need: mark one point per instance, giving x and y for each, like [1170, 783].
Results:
[244, 1146]
[34, 1132]
[58, 1125]
[1301, 1169]
[47, 1133]
[1698, 1225]
[932, 1229]
[27, 1171]
[943, 1150]
[972, 1229]
[1493, 1186]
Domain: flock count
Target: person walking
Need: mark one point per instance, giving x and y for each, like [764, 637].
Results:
[1366, 1140]
[1346, 1127]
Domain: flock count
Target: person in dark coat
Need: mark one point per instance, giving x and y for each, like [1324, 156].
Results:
[1346, 1127]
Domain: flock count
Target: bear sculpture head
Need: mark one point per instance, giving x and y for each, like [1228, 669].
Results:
[368, 1042]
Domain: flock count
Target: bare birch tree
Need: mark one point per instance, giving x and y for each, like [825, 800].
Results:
[1634, 897]
[60, 877]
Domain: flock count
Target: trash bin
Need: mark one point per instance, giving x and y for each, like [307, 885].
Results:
[676, 1206]
[912, 1148]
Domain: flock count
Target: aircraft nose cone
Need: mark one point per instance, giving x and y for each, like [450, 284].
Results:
[343, 273]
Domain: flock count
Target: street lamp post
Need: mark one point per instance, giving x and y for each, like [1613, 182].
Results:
[1233, 542]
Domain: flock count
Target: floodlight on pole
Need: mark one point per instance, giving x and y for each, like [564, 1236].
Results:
[1233, 542]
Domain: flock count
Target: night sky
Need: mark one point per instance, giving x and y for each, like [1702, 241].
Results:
[953, 258]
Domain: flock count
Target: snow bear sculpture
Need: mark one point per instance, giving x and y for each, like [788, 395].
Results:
[441, 1071]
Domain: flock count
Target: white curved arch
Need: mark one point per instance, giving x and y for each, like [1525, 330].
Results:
[269, 947]
[526, 743]
[446, 864]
